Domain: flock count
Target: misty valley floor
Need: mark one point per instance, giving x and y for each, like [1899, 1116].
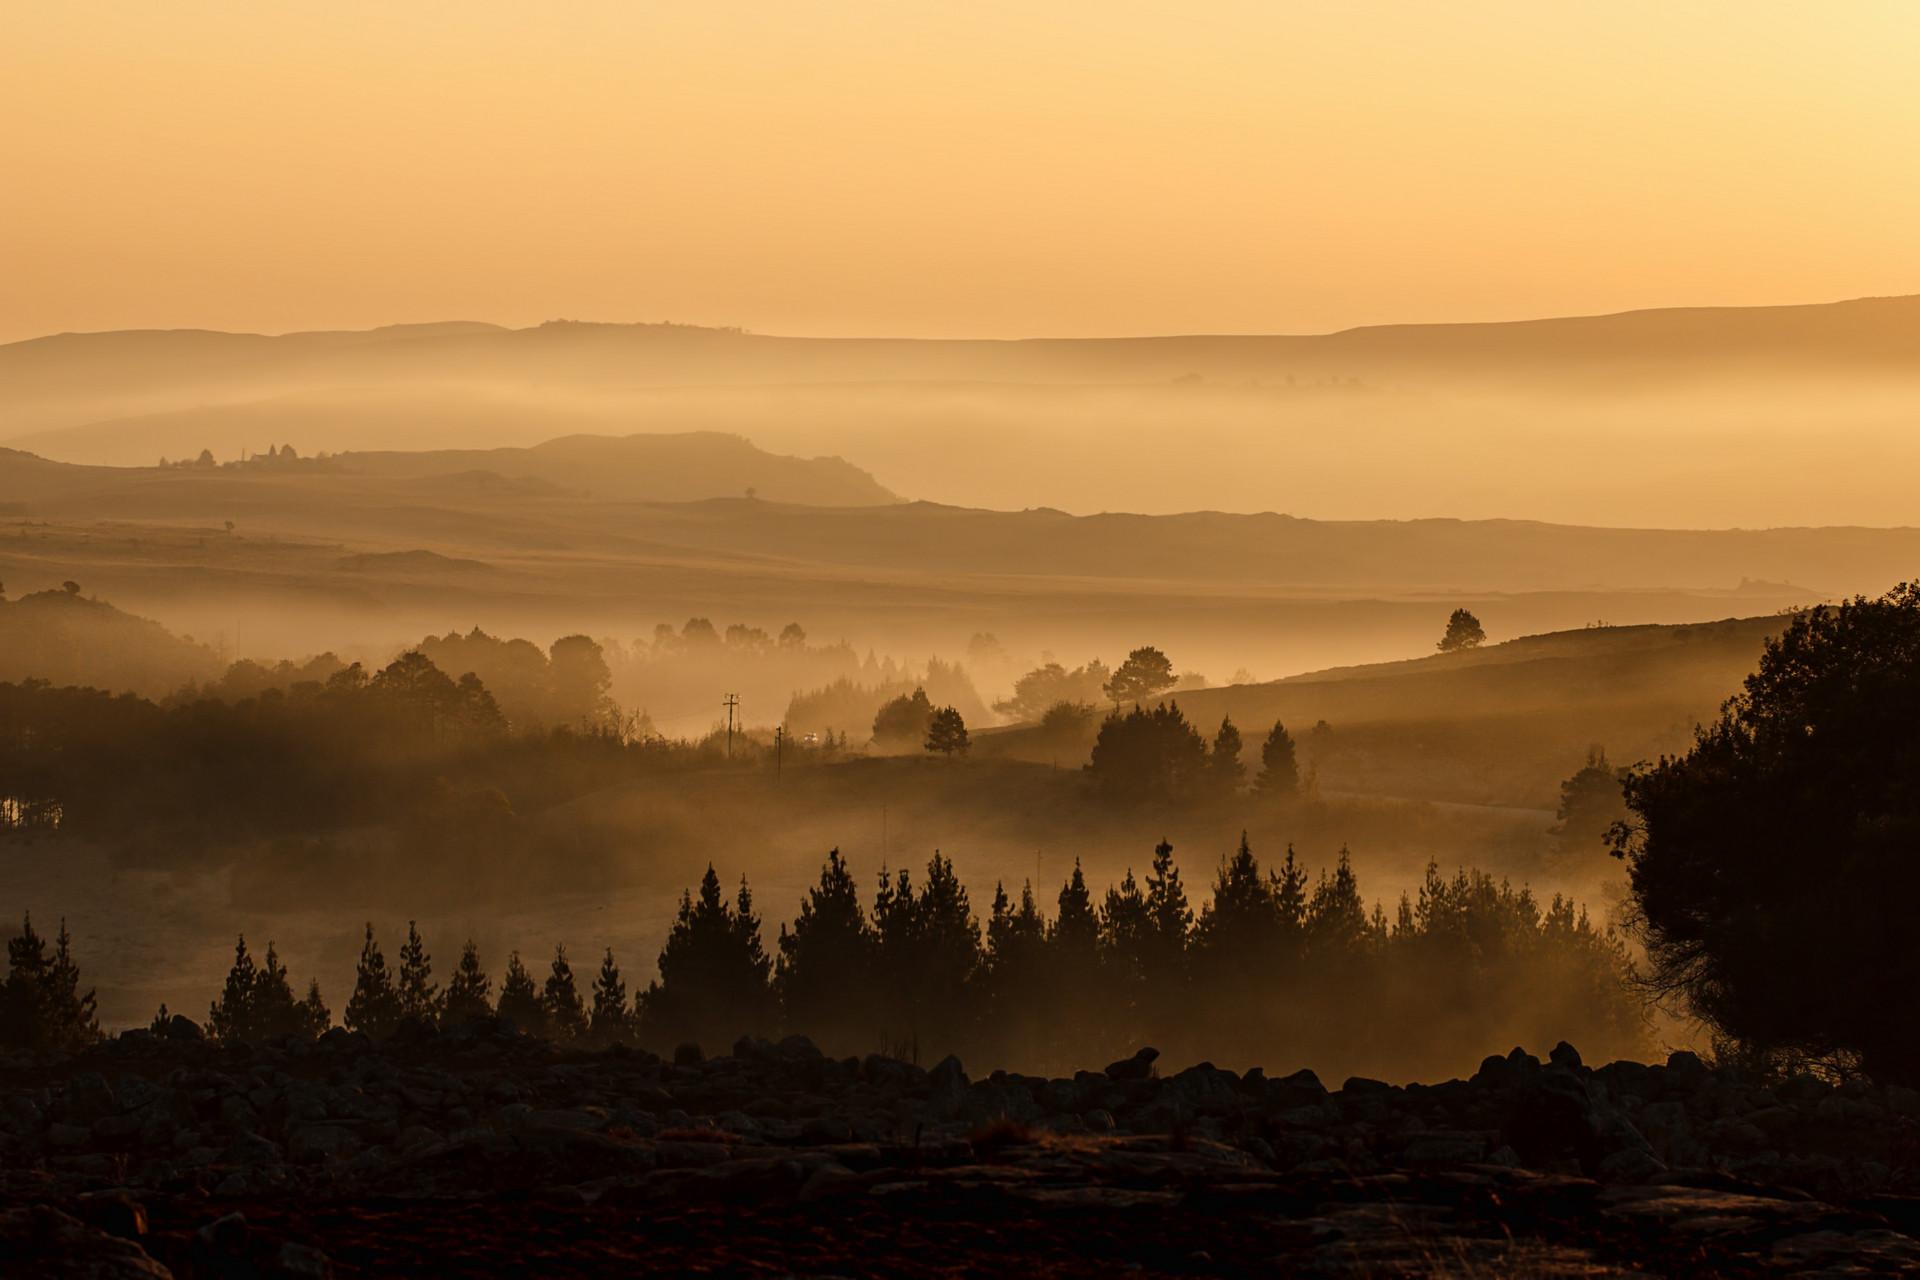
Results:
[481, 1152]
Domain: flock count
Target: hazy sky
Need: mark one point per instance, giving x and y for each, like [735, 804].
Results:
[890, 167]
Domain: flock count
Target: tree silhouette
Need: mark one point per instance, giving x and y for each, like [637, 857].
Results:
[1149, 754]
[1590, 803]
[566, 1013]
[231, 1017]
[469, 990]
[612, 1020]
[314, 1016]
[714, 974]
[375, 1006]
[1279, 767]
[903, 720]
[825, 977]
[1773, 865]
[419, 995]
[41, 1004]
[1463, 632]
[1223, 762]
[1146, 672]
[520, 999]
[947, 733]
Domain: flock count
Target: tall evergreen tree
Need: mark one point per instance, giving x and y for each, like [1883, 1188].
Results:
[612, 1020]
[824, 977]
[520, 999]
[419, 994]
[41, 1005]
[714, 974]
[1279, 766]
[231, 1017]
[1336, 917]
[566, 1012]
[469, 990]
[315, 1017]
[375, 1006]
[1223, 762]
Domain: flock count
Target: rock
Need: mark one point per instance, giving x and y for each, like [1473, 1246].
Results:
[1138, 1067]
[1301, 1089]
[115, 1213]
[316, 1142]
[67, 1137]
[1442, 1150]
[1565, 1055]
[1628, 1165]
[688, 1055]
[181, 1028]
[296, 1261]
[42, 1241]
[90, 1098]
[1204, 1090]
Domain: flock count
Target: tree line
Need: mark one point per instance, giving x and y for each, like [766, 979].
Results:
[1277, 965]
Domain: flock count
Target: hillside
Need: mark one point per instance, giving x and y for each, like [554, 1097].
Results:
[1502, 725]
[65, 638]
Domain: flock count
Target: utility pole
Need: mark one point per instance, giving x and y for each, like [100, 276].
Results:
[732, 701]
[779, 745]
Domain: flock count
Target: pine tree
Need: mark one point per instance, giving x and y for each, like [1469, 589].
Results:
[1223, 762]
[68, 1014]
[1336, 917]
[612, 1021]
[275, 1012]
[315, 1017]
[1170, 917]
[1076, 929]
[1279, 768]
[824, 978]
[714, 973]
[947, 733]
[566, 1014]
[419, 996]
[231, 1017]
[375, 1005]
[520, 999]
[469, 990]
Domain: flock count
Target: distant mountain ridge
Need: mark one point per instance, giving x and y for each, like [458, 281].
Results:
[681, 467]
[1863, 332]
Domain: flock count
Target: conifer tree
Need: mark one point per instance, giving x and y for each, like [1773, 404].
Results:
[468, 990]
[825, 975]
[41, 1005]
[1279, 767]
[1076, 929]
[520, 999]
[315, 1017]
[1124, 928]
[1170, 917]
[275, 1012]
[419, 995]
[1223, 762]
[231, 1017]
[1336, 917]
[375, 1006]
[612, 1021]
[566, 1013]
[714, 973]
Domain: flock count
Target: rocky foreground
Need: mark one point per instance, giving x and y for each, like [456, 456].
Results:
[481, 1152]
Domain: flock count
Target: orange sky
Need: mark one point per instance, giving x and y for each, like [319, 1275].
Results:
[890, 167]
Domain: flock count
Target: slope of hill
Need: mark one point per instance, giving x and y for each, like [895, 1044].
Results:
[64, 638]
[1502, 725]
[648, 468]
